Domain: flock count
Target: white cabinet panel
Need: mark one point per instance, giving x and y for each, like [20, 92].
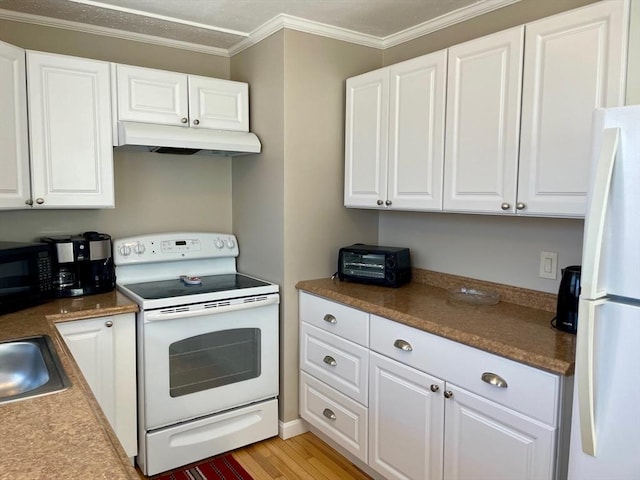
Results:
[70, 131]
[14, 140]
[104, 349]
[484, 441]
[574, 62]
[218, 104]
[483, 118]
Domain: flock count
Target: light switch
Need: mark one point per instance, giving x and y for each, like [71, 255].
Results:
[549, 265]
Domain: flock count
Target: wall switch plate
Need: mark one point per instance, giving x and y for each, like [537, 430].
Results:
[549, 265]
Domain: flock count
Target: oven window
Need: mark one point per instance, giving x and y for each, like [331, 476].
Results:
[213, 359]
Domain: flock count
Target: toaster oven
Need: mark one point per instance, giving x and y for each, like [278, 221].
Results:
[376, 265]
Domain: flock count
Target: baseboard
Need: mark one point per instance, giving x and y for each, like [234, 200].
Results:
[292, 429]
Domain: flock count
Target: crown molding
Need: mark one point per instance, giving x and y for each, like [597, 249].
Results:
[275, 24]
[110, 32]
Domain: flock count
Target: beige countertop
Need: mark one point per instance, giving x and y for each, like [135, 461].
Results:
[513, 328]
[64, 434]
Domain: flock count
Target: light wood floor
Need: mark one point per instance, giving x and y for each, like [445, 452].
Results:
[304, 457]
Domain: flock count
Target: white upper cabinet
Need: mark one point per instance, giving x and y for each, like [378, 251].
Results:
[574, 62]
[395, 136]
[14, 140]
[483, 117]
[70, 131]
[156, 96]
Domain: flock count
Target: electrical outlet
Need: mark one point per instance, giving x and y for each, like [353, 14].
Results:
[549, 265]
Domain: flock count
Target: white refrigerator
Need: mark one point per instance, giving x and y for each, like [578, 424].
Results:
[605, 426]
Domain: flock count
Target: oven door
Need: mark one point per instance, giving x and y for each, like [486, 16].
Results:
[206, 360]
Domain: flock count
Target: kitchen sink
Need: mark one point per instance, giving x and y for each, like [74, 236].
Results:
[30, 367]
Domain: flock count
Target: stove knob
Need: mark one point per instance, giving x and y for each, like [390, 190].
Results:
[231, 244]
[139, 248]
[125, 250]
[219, 243]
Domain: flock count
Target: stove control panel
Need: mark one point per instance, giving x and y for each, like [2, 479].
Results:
[164, 247]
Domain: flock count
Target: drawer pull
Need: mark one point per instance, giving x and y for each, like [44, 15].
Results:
[493, 379]
[330, 319]
[448, 394]
[435, 388]
[329, 360]
[403, 345]
[329, 414]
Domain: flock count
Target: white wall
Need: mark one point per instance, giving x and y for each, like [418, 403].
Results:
[497, 249]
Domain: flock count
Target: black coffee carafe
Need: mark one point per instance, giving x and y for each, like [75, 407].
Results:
[567, 308]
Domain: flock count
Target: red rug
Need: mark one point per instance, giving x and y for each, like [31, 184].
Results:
[223, 467]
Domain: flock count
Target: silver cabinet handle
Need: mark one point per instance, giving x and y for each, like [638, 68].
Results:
[39, 201]
[329, 414]
[196, 122]
[29, 202]
[329, 360]
[184, 120]
[435, 388]
[505, 206]
[387, 203]
[403, 345]
[448, 394]
[379, 202]
[520, 206]
[109, 323]
[493, 379]
[330, 318]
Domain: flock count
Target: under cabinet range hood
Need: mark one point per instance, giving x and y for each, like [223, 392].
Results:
[186, 140]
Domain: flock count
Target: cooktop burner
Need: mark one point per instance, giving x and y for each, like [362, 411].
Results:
[180, 288]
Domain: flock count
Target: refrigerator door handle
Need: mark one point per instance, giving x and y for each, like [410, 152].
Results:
[595, 222]
[585, 373]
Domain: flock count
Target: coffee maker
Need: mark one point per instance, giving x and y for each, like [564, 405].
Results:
[568, 296]
[82, 264]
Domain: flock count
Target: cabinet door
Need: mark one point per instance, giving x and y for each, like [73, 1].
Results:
[416, 139]
[218, 104]
[70, 131]
[366, 140]
[574, 62]
[406, 418]
[152, 96]
[486, 441]
[104, 349]
[14, 160]
[483, 118]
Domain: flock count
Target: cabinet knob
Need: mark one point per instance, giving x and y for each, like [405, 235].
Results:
[329, 414]
[494, 379]
[448, 394]
[108, 323]
[434, 388]
[403, 345]
[196, 122]
[330, 319]
[329, 360]
[184, 120]
[39, 201]
[520, 206]
[387, 203]
[29, 202]
[379, 202]
[505, 206]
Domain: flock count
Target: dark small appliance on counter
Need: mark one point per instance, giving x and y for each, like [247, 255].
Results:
[82, 264]
[568, 295]
[375, 265]
[25, 275]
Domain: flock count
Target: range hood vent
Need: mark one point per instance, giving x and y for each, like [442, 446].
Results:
[186, 140]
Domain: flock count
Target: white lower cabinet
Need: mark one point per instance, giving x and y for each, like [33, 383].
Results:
[435, 409]
[105, 350]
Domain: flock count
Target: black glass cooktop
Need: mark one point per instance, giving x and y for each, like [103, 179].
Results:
[178, 288]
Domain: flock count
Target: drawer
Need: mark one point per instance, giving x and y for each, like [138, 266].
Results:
[528, 390]
[337, 416]
[339, 363]
[346, 322]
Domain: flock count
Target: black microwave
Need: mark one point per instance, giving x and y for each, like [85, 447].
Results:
[25, 275]
[376, 265]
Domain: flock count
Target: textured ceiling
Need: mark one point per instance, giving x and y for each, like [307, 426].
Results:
[224, 23]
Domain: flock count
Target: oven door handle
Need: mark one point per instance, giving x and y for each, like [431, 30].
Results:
[210, 308]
